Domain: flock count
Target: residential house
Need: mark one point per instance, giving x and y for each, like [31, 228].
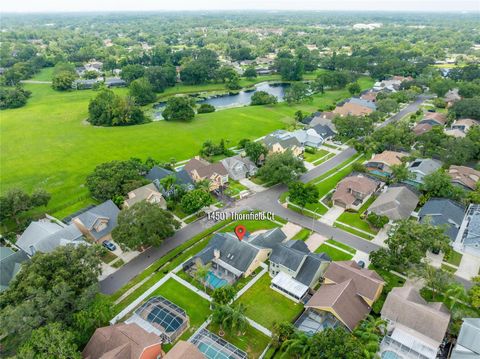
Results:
[464, 124]
[454, 132]
[115, 82]
[443, 212]
[93, 65]
[351, 108]
[295, 270]
[123, 341]
[451, 97]
[352, 191]
[369, 96]
[421, 128]
[348, 292]
[231, 258]
[10, 264]
[390, 85]
[415, 327]
[434, 119]
[381, 163]
[307, 119]
[464, 177]
[325, 131]
[46, 235]
[183, 350]
[420, 168]
[468, 341]
[468, 237]
[323, 118]
[281, 141]
[147, 193]
[97, 223]
[362, 102]
[200, 170]
[239, 167]
[156, 174]
[82, 84]
[308, 137]
[397, 202]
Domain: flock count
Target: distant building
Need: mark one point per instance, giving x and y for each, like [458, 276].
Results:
[239, 167]
[434, 119]
[381, 163]
[156, 174]
[200, 170]
[281, 141]
[353, 109]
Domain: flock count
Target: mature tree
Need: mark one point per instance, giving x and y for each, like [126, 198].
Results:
[109, 109]
[144, 224]
[262, 98]
[408, 244]
[13, 97]
[230, 318]
[333, 79]
[115, 178]
[455, 293]
[438, 184]
[201, 272]
[223, 295]
[250, 72]
[354, 88]
[289, 68]
[376, 220]
[391, 137]
[296, 92]
[15, 202]
[132, 72]
[299, 116]
[302, 194]
[50, 341]
[195, 200]
[387, 105]
[400, 173]
[370, 332]
[441, 86]
[469, 89]
[179, 108]
[141, 90]
[474, 293]
[281, 168]
[467, 108]
[51, 287]
[63, 76]
[206, 108]
[436, 279]
[281, 332]
[353, 126]
[256, 151]
[161, 77]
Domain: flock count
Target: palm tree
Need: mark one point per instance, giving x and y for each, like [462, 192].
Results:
[201, 272]
[238, 319]
[221, 316]
[370, 332]
[455, 293]
[168, 182]
[299, 346]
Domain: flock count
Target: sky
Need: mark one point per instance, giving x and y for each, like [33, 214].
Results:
[169, 5]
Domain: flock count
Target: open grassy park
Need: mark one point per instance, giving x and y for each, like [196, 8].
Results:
[48, 144]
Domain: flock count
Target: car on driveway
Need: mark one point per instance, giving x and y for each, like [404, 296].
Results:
[109, 245]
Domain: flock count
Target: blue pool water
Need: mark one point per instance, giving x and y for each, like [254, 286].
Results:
[390, 355]
[211, 352]
[214, 281]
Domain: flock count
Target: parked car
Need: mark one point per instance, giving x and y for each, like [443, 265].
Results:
[109, 245]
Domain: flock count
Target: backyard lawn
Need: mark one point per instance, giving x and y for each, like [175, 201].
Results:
[56, 149]
[334, 253]
[252, 342]
[266, 306]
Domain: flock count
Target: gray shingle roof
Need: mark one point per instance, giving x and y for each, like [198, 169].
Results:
[286, 256]
[396, 203]
[324, 131]
[239, 167]
[424, 166]
[471, 234]
[107, 210]
[443, 212]
[468, 338]
[10, 264]
[268, 239]
[310, 267]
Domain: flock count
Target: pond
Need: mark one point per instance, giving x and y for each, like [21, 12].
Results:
[243, 98]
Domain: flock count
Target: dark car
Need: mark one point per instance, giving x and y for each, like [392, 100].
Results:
[109, 245]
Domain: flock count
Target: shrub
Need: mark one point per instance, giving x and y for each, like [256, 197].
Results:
[206, 108]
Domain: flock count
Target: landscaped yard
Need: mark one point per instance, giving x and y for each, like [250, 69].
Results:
[341, 245]
[312, 157]
[57, 149]
[334, 253]
[354, 219]
[197, 308]
[266, 306]
[252, 342]
[453, 258]
[108, 256]
[234, 188]
[252, 226]
[302, 235]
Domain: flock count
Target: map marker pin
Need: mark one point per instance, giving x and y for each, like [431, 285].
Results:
[240, 231]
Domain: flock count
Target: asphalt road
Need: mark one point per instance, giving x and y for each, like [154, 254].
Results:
[410, 108]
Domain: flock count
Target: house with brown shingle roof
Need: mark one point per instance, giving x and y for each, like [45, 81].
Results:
[421, 128]
[147, 193]
[414, 325]
[465, 177]
[123, 341]
[381, 163]
[184, 350]
[351, 108]
[369, 96]
[434, 118]
[347, 293]
[352, 191]
[200, 170]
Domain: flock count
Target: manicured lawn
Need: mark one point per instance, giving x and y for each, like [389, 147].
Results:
[448, 268]
[311, 157]
[251, 226]
[252, 342]
[334, 253]
[341, 245]
[234, 188]
[353, 231]
[354, 219]
[56, 150]
[197, 308]
[302, 235]
[44, 75]
[453, 258]
[118, 263]
[108, 257]
[267, 306]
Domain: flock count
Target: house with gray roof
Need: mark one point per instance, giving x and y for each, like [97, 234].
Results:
[362, 102]
[420, 168]
[468, 237]
[10, 265]
[281, 141]
[98, 222]
[443, 212]
[147, 193]
[295, 270]
[397, 202]
[325, 131]
[156, 174]
[239, 167]
[308, 137]
[46, 235]
[468, 341]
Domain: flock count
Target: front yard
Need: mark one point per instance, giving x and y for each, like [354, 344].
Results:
[266, 306]
[234, 188]
[334, 253]
[314, 158]
[355, 219]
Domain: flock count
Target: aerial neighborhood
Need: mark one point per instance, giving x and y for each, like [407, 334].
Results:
[240, 185]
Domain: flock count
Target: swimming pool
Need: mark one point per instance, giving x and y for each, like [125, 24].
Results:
[390, 355]
[211, 352]
[214, 281]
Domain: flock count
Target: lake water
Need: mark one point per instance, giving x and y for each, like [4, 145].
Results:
[243, 98]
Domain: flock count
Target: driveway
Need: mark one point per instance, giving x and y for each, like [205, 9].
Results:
[469, 266]
[332, 214]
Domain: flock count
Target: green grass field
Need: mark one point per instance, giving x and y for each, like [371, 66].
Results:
[47, 143]
[266, 306]
[334, 253]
